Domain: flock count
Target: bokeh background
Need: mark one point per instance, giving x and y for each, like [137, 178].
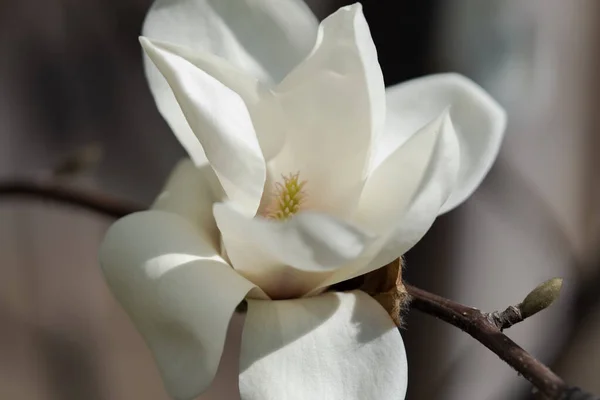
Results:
[71, 77]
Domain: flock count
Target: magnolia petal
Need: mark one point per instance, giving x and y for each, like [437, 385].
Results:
[288, 258]
[437, 186]
[333, 346]
[220, 120]
[266, 39]
[396, 181]
[171, 282]
[264, 109]
[334, 103]
[478, 119]
[403, 196]
[190, 192]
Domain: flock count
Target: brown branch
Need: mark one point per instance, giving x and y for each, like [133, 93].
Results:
[537, 300]
[488, 332]
[91, 201]
[484, 327]
[505, 319]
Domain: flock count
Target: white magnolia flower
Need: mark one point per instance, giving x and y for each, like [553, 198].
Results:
[306, 172]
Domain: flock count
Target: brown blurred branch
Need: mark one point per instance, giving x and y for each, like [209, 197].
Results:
[484, 327]
[46, 190]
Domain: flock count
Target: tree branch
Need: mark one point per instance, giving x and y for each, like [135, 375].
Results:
[46, 190]
[484, 327]
[477, 324]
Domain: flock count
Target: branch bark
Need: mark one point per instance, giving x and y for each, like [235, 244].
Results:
[98, 203]
[484, 327]
[488, 332]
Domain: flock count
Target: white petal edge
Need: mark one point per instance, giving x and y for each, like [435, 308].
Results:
[430, 158]
[190, 192]
[334, 103]
[237, 31]
[479, 121]
[288, 258]
[178, 292]
[265, 112]
[437, 186]
[264, 38]
[220, 120]
[392, 186]
[333, 346]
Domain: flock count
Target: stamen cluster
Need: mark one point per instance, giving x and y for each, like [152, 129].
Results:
[287, 197]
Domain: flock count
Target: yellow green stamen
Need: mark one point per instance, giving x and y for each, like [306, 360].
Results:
[287, 197]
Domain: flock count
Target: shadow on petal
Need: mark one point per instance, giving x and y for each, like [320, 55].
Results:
[273, 325]
[321, 348]
[225, 385]
[367, 313]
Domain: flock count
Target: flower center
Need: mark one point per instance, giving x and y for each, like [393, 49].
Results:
[287, 197]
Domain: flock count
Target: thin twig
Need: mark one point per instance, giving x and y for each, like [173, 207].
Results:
[484, 327]
[505, 319]
[537, 300]
[488, 332]
[92, 201]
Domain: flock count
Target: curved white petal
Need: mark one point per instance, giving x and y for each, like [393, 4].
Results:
[478, 119]
[404, 194]
[288, 258]
[395, 182]
[334, 104]
[179, 293]
[266, 39]
[265, 112]
[220, 120]
[191, 192]
[436, 187]
[333, 346]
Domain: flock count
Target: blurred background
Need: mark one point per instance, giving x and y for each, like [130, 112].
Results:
[71, 78]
